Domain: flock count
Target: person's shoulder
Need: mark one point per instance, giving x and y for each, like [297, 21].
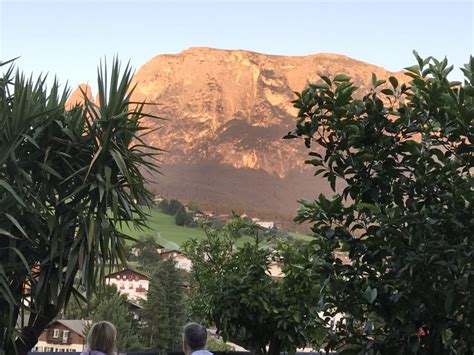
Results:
[202, 352]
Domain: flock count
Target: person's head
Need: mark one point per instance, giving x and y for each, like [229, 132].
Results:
[194, 338]
[102, 337]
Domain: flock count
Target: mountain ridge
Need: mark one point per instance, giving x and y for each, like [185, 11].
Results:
[229, 109]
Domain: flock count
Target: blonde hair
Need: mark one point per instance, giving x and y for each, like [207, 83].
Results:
[102, 337]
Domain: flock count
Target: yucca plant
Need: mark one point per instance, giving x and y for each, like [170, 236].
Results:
[68, 179]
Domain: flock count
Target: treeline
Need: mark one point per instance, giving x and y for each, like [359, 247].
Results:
[181, 216]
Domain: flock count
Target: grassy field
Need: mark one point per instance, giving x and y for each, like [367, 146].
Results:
[166, 232]
[301, 236]
[171, 236]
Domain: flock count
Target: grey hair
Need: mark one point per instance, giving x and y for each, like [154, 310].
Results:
[194, 336]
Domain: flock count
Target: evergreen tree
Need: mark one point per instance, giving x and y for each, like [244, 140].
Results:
[147, 251]
[163, 206]
[163, 312]
[116, 310]
[78, 308]
[180, 217]
[174, 206]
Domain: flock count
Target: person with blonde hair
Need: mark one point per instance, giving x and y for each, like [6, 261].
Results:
[101, 339]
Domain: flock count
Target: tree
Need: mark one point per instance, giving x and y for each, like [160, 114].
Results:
[170, 207]
[115, 309]
[81, 308]
[163, 205]
[231, 289]
[174, 206]
[108, 304]
[180, 217]
[404, 155]
[164, 310]
[147, 251]
[68, 178]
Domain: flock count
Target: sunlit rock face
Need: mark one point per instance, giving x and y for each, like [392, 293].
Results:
[226, 111]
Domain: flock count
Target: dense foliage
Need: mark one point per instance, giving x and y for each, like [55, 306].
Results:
[214, 345]
[109, 305]
[178, 210]
[68, 178]
[402, 157]
[146, 250]
[233, 290]
[180, 217]
[170, 207]
[164, 311]
[79, 308]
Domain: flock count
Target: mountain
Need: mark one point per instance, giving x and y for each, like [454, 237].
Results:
[226, 112]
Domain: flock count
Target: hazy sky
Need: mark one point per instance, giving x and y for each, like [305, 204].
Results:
[68, 38]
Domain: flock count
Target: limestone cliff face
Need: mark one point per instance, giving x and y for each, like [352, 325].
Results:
[226, 112]
[234, 106]
[77, 96]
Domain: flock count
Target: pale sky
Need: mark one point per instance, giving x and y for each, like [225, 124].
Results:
[68, 38]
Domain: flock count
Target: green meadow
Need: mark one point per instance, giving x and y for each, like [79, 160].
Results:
[171, 236]
[164, 229]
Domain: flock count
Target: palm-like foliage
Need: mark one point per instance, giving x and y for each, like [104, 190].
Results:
[68, 178]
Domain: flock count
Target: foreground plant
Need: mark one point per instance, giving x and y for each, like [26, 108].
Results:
[403, 155]
[68, 179]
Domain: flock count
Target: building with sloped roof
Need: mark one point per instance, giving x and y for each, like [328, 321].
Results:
[63, 335]
[131, 283]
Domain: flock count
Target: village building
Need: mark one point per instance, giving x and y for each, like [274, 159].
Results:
[208, 214]
[343, 257]
[274, 270]
[266, 224]
[63, 336]
[157, 199]
[131, 283]
[182, 261]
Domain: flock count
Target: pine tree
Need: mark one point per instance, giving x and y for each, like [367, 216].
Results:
[163, 312]
[116, 310]
[180, 217]
[147, 251]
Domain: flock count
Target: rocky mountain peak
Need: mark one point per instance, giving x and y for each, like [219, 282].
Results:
[226, 112]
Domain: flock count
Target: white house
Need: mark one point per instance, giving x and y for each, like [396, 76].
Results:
[130, 282]
[182, 261]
